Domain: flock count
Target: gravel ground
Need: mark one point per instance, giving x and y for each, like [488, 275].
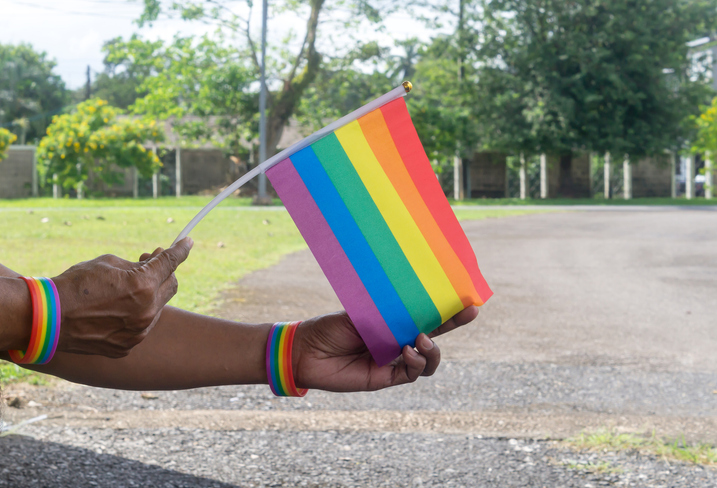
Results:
[457, 386]
[600, 319]
[179, 458]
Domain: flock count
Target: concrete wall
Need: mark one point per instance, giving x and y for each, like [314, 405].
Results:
[125, 189]
[205, 169]
[487, 176]
[652, 177]
[16, 173]
[569, 177]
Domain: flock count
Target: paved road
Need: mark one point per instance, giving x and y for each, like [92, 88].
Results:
[600, 319]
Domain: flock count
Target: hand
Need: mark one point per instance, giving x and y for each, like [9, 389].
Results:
[329, 354]
[109, 305]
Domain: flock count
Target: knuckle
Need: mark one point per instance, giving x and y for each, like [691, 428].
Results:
[137, 338]
[118, 353]
[171, 259]
[174, 286]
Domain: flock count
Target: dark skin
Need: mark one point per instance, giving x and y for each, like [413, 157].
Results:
[109, 305]
[186, 350]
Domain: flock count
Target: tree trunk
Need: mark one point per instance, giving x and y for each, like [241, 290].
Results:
[285, 101]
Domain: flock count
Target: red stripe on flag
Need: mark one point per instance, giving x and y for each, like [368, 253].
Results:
[419, 167]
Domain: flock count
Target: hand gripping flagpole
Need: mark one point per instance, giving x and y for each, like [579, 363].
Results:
[399, 91]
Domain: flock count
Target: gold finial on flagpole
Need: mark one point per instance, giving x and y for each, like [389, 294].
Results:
[407, 86]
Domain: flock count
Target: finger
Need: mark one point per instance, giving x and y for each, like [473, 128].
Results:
[414, 364]
[431, 352]
[461, 318]
[145, 256]
[166, 262]
[167, 289]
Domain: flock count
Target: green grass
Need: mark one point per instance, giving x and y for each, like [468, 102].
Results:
[188, 201]
[253, 238]
[12, 373]
[586, 201]
[600, 467]
[697, 453]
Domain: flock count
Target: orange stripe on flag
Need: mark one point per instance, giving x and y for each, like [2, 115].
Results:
[382, 144]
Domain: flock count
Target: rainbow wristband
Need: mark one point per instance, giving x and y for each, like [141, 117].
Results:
[46, 314]
[278, 360]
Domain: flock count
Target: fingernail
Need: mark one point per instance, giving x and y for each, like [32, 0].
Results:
[412, 352]
[427, 343]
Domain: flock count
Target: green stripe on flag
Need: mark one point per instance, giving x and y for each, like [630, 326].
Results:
[379, 236]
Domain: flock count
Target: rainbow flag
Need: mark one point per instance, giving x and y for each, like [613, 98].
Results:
[369, 206]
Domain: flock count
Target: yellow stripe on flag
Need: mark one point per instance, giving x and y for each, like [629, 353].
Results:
[399, 220]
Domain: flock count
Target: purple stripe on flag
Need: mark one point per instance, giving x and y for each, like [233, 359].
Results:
[334, 262]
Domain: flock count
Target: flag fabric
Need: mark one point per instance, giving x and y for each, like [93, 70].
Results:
[370, 207]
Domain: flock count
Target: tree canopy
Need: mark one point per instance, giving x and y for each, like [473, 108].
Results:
[226, 101]
[30, 91]
[119, 82]
[705, 140]
[596, 75]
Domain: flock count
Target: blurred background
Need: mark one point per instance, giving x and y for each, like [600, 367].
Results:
[512, 99]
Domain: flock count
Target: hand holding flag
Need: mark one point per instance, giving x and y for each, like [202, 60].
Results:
[329, 354]
[366, 200]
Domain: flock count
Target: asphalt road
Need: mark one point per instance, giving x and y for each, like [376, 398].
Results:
[600, 319]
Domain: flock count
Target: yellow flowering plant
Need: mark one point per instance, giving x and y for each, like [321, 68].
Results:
[6, 138]
[706, 122]
[97, 138]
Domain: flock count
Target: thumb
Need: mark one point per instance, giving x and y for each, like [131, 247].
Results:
[167, 261]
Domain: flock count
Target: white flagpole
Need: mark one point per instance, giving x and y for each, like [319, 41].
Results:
[398, 92]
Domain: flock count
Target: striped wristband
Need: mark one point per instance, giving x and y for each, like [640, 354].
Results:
[46, 314]
[278, 360]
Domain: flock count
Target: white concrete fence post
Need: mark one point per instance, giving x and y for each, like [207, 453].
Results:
[673, 179]
[690, 177]
[457, 177]
[155, 179]
[135, 182]
[178, 171]
[708, 175]
[626, 178]
[543, 176]
[35, 189]
[606, 173]
[56, 192]
[523, 175]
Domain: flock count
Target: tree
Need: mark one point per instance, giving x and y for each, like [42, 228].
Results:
[593, 75]
[444, 81]
[95, 139]
[290, 73]
[346, 82]
[119, 82]
[6, 138]
[29, 90]
[199, 84]
[705, 140]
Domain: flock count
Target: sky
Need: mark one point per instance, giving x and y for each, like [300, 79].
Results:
[72, 31]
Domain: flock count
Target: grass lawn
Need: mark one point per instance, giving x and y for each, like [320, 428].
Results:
[669, 450]
[252, 237]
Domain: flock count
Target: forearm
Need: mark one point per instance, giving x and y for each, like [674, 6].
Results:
[16, 306]
[183, 350]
